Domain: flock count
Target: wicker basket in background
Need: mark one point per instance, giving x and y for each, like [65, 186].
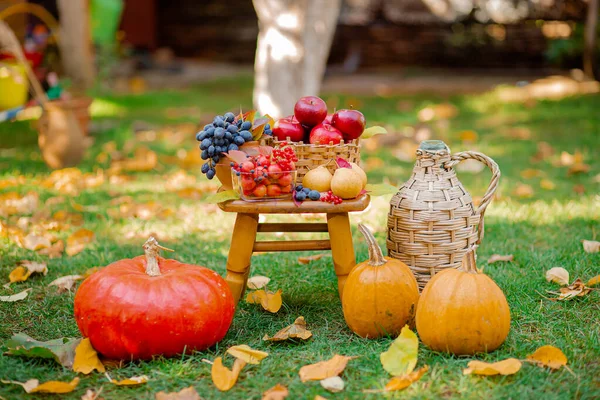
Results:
[312, 155]
[432, 221]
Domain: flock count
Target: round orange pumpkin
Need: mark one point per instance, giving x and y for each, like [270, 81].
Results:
[380, 295]
[463, 312]
[145, 306]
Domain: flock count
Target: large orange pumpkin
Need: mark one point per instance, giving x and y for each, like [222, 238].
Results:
[380, 295]
[145, 306]
[463, 312]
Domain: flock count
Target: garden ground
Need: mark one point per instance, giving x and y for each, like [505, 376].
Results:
[540, 215]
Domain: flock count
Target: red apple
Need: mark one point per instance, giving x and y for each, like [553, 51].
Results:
[274, 171]
[350, 122]
[285, 180]
[310, 110]
[248, 183]
[325, 134]
[273, 190]
[260, 191]
[288, 127]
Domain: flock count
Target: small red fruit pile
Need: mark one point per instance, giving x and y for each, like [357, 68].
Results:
[263, 176]
[311, 123]
[329, 197]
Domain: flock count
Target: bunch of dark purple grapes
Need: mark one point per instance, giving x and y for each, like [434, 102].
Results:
[223, 135]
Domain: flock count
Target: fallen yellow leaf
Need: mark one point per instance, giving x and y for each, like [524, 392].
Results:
[86, 358]
[531, 173]
[548, 356]
[333, 384]
[246, 353]
[34, 386]
[576, 289]
[67, 217]
[591, 246]
[324, 369]
[558, 275]
[593, 281]
[547, 184]
[12, 203]
[65, 283]
[35, 242]
[505, 367]
[277, 392]
[523, 191]
[269, 301]
[257, 282]
[78, 240]
[401, 357]
[404, 381]
[295, 331]
[308, 259]
[497, 257]
[26, 269]
[468, 136]
[223, 377]
[55, 250]
[578, 168]
[134, 380]
[188, 393]
[15, 297]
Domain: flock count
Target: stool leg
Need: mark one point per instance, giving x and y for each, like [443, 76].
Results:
[342, 249]
[240, 253]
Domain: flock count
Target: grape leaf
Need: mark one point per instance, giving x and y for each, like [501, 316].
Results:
[236, 156]
[380, 189]
[221, 197]
[372, 131]
[61, 350]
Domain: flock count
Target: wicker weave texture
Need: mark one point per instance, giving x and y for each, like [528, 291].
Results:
[432, 221]
[311, 156]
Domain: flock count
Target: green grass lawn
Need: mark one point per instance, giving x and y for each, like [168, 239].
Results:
[542, 231]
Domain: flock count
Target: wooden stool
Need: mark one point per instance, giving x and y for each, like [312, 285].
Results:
[244, 243]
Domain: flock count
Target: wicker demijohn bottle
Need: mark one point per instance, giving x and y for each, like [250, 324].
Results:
[432, 221]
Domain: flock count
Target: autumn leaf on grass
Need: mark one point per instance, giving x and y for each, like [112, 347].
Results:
[78, 240]
[257, 282]
[246, 353]
[277, 392]
[134, 380]
[401, 357]
[26, 269]
[308, 259]
[578, 168]
[404, 381]
[36, 242]
[548, 356]
[223, 377]
[324, 369]
[268, 300]
[523, 191]
[333, 384]
[86, 359]
[92, 395]
[547, 184]
[591, 246]
[184, 394]
[497, 257]
[295, 331]
[34, 386]
[531, 173]
[54, 251]
[15, 297]
[61, 350]
[558, 275]
[576, 289]
[65, 283]
[505, 367]
[593, 281]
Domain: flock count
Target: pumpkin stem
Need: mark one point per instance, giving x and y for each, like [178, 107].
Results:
[468, 263]
[152, 250]
[375, 254]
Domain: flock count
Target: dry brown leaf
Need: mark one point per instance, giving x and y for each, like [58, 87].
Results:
[188, 393]
[15, 297]
[268, 300]
[308, 259]
[578, 168]
[297, 330]
[404, 381]
[223, 377]
[530, 173]
[505, 367]
[558, 275]
[576, 289]
[544, 150]
[65, 283]
[277, 392]
[35, 242]
[54, 251]
[257, 282]
[63, 216]
[548, 356]
[26, 269]
[34, 386]
[523, 191]
[579, 189]
[143, 160]
[12, 203]
[92, 395]
[78, 240]
[86, 359]
[593, 281]
[246, 353]
[333, 384]
[134, 380]
[547, 184]
[591, 246]
[497, 258]
[324, 369]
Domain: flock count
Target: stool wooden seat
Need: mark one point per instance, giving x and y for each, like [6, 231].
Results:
[244, 243]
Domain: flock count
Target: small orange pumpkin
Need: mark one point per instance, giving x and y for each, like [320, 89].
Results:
[463, 312]
[380, 295]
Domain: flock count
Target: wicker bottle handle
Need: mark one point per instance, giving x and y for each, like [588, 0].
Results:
[489, 194]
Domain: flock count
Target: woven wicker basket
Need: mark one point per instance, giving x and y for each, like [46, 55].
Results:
[312, 155]
[432, 221]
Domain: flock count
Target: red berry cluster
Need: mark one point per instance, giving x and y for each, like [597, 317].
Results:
[285, 157]
[329, 197]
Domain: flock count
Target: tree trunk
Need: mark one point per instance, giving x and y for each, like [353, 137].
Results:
[293, 46]
[75, 42]
[589, 47]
